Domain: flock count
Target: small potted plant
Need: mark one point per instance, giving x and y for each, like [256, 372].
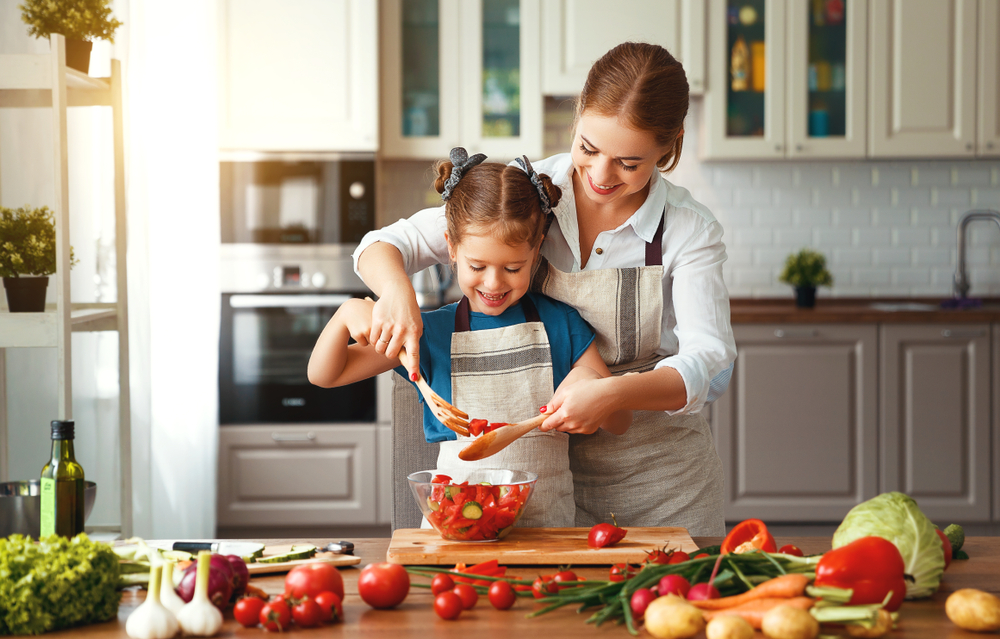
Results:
[805, 271]
[79, 21]
[27, 256]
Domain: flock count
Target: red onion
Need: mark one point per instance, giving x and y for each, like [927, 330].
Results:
[241, 576]
[220, 585]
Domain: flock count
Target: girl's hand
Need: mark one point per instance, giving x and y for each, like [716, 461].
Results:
[580, 407]
[396, 323]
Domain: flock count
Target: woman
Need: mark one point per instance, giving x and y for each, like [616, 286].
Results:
[641, 261]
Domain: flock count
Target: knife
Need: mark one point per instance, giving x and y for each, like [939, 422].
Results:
[238, 548]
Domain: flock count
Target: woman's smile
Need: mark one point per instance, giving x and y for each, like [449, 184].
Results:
[601, 189]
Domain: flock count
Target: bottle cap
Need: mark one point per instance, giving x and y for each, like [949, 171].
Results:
[62, 429]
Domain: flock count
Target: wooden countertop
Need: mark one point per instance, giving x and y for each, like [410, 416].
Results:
[923, 619]
[860, 311]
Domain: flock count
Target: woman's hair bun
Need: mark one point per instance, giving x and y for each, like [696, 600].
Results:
[443, 169]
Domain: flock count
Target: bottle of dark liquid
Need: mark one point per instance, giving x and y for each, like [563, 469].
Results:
[62, 486]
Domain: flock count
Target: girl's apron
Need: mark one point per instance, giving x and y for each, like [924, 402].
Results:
[504, 375]
[664, 471]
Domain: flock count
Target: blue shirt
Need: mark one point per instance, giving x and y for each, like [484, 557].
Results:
[569, 336]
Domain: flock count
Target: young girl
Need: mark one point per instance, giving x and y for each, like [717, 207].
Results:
[500, 352]
[641, 260]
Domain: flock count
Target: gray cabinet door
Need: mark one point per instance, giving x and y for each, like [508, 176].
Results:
[935, 421]
[304, 475]
[797, 429]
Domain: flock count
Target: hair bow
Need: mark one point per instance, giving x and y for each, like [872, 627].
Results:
[543, 195]
[461, 162]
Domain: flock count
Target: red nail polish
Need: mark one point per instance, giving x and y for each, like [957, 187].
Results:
[543, 409]
[414, 376]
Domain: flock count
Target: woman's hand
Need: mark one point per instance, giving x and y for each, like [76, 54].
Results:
[581, 407]
[396, 324]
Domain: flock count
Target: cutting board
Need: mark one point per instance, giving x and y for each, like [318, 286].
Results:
[544, 546]
[257, 568]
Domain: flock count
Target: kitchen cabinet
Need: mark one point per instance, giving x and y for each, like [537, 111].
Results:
[461, 73]
[298, 75]
[575, 33]
[786, 79]
[923, 78]
[797, 431]
[935, 418]
[988, 139]
[995, 426]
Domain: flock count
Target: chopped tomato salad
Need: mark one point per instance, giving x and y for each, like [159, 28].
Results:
[477, 512]
[479, 427]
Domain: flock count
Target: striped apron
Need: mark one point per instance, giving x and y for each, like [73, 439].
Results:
[664, 471]
[504, 375]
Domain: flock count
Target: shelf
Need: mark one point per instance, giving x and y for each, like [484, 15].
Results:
[38, 330]
[26, 81]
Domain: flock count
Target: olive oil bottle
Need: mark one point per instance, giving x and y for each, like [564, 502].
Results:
[62, 486]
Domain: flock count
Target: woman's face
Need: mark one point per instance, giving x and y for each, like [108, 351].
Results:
[614, 163]
[492, 274]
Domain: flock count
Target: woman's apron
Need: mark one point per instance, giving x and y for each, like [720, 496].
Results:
[664, 471]
[504, 375]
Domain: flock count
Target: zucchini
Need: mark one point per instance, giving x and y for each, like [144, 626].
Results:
[451, 491]
[472, 510]
[302, 551]
[433, 505]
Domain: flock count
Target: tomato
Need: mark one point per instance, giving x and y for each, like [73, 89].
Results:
[602, 535]
[747, 536]
[247, 611]
[678, 556]
[700, 555]
[467, 594]
[307, 613]
[441, 479]
[441, 583]
[789, 549]
[543, 588]
[501, 595]
[562, 577]
[448, 605]
[308, 580]
[946, 546]
[276, 615]
[658, 556]
[383, 585]
[330, 605]
[621, 572]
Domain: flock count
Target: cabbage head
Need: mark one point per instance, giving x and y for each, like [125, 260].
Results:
[896, 517]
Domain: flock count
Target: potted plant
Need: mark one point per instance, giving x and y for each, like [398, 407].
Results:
[79, 21]
[27, 256]
[805, 271]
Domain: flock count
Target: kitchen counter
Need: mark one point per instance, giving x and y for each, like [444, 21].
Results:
[860, 311]
[924, 619]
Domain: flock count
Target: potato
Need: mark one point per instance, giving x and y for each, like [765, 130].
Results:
[670, 617]
[883, 624]
[729, 627]
[972, 609]
[787, 622]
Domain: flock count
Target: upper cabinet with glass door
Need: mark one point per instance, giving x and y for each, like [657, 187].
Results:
[461, 73]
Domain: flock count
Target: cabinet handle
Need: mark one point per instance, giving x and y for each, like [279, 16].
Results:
[784, 334]
[293, 437]
[947, 332]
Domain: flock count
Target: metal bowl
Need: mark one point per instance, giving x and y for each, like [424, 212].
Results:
[20, 506]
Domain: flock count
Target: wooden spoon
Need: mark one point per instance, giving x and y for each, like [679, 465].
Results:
[494, 441]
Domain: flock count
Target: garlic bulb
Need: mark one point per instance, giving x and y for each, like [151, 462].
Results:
[151, 620]
[199, 617]
[168, 596]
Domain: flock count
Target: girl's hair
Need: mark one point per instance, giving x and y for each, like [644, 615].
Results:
[646, 87]
[496, 198]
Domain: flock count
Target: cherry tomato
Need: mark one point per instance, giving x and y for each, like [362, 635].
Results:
[331, 606]
[383, 585]
[678, 556]
[602, 535]
[467, 594]
[789, 549]
[448, 605]
[700, 555]
[562, 577]
[621, 572]
[658, 556]
[441, 583]
[307, 613]
[276, 615]
[501, 595]
[946, 546]
[308, 580]
[247, 611]
[543, 588]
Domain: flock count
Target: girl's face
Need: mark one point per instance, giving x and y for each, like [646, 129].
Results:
[492, 274]
[613, 163]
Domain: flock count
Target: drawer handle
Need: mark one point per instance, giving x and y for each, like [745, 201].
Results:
[947, 332]
[783, 334]
[293, 437]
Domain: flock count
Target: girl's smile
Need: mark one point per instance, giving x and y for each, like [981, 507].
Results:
[492, 274]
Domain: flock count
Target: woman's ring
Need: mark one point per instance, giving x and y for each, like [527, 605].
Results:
[384, 341]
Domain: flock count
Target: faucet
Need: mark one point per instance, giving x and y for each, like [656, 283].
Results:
[961, 281]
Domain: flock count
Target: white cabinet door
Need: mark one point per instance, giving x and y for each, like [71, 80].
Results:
[922, 70]
[298, 75]
[575, 33]
[989, 79]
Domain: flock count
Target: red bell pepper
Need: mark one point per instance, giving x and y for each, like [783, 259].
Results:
[871, 566]
[747, 536]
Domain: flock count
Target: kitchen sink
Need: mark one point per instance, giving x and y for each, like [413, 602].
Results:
[892, 307]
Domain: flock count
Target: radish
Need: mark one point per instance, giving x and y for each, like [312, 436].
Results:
[640, 600]
[674, 585]
[700, 592]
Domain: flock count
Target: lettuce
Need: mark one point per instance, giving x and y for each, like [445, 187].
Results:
[55, 583]
[896, 517]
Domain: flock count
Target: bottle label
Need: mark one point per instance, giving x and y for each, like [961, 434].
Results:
[48, 514]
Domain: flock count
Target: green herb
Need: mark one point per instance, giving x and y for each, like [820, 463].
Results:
[806, 268]
[28, 242]
[77, 19]
[55, 583]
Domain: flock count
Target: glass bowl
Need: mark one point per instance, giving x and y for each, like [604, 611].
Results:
[475, 505]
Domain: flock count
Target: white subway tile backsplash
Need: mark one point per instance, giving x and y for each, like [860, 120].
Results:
[752, 197]
[983, 233]
[873, 196]
[931, 256]
[831, 238]
[739, 256]
[713, 197]
[942, 276]
[977, 256]
[892, 256]
[734, 218]
[838, 198]
[792, 238]
[932, 217]
[793, 198]
[891, 217]
[812, 175]
[772, 217]
[755, 276]
[773, 176]
[986, 198]
[951, 197]
[852, 257]
[850, 175]
[984, 275]
[932, 176]
[972, 174]
[811, 217]
[872, 237]
[751, 237]
[911, 237]
[733, 176]
[871, 276]
[891, 175]
[912, 197]
[773, 257]
[852, 217]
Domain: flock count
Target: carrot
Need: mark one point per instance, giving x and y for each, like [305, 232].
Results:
[754, 610]
[784, 586]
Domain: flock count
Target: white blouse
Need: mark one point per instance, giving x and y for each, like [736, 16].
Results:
[696, 337]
